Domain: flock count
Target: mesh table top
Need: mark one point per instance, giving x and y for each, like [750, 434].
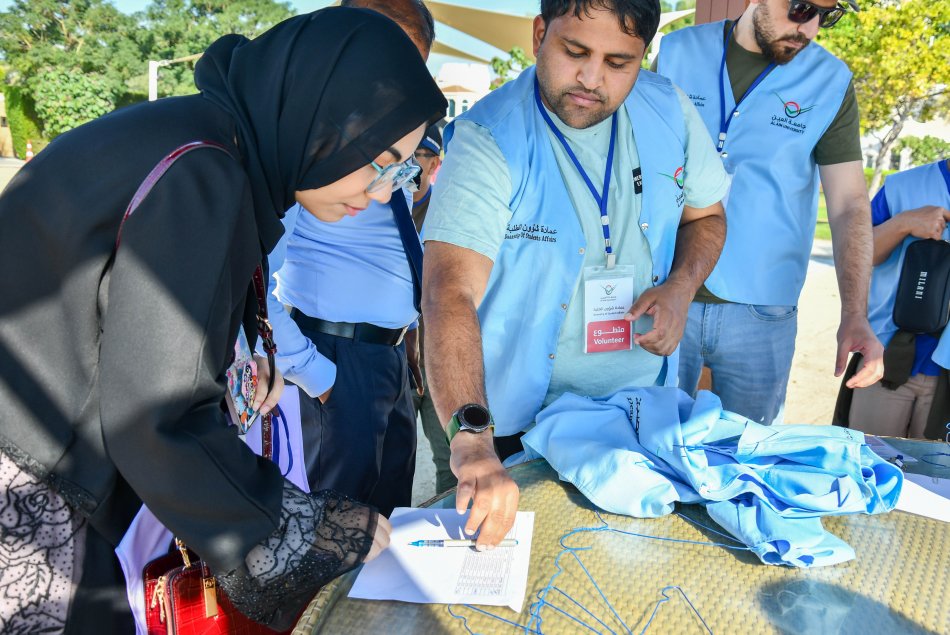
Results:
[896, 584]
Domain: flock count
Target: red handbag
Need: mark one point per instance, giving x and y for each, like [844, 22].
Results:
[183, 599]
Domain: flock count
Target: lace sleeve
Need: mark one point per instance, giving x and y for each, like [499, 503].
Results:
[321, 536]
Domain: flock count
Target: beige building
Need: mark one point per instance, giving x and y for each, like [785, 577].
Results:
[463, 85]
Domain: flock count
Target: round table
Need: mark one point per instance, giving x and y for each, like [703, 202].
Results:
[896, 584]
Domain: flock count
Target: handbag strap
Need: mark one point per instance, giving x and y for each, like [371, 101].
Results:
[264, 329]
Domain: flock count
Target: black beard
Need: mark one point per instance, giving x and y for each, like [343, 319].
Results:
[557, 102]
[772, 48]
[559, 106]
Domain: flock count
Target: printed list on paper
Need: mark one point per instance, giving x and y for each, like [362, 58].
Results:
[446, 575]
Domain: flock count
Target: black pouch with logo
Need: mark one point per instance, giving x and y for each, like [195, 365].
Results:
[923, 292]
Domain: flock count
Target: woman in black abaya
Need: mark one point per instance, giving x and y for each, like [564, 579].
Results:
[112, 364]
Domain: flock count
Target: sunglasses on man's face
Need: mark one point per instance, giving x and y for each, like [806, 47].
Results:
[801, 12]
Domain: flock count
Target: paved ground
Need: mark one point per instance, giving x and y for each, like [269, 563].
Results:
[8, 167]
[812, 388]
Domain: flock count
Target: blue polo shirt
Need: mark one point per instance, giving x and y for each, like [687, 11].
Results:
[354, 270]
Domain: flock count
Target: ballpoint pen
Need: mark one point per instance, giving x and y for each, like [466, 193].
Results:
[458, 543]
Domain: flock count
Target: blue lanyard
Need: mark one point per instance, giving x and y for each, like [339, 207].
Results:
[423, 199]
[279, 417]
[723, 120]
[599, 197]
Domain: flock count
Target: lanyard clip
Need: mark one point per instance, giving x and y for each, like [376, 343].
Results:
[611, 260]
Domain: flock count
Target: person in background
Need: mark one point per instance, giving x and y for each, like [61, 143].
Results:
[576, 213]
[344, 304]
[429, 157]
[796, 120]
[912, 205]
[112, 359]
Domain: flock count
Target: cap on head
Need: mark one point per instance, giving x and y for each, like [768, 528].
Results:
[432, 140]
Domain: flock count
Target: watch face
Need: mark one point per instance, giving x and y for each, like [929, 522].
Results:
[475, 417]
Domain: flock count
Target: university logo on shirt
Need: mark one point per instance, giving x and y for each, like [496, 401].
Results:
[679, 180]
[790, 112]
[678, 177]
[792, 108]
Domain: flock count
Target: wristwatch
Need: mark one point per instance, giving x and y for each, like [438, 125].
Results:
[469, 418]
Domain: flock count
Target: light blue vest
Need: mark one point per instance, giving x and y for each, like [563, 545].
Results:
[540, 261]
[769, 153]
[914, 188]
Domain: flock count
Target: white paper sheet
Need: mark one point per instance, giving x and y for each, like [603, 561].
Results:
[446, 575]
[921, 495]
[885, 450]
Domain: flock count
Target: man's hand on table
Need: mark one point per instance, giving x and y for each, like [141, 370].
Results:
[484, 482]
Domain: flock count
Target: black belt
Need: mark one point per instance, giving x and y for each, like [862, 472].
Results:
[356, 331]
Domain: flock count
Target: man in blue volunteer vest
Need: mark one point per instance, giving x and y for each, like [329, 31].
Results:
[912, 205]
[782, 113]
[576, 215]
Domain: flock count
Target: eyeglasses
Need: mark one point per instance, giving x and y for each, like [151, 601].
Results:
[424, 154]
[394, 176]
[800, 12]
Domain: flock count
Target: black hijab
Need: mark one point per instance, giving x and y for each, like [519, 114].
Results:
[315, 98]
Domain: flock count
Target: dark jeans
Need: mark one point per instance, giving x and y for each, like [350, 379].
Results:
[362, 441]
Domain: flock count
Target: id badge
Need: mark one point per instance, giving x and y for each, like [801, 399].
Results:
[608, 295]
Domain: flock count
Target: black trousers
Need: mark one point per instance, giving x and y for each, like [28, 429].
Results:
[362, 441]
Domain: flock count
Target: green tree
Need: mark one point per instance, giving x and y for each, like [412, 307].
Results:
[78, 35]
[175, 29]
[899, 52]
[506, 69]
[72, 58]
[926, 149]
[65, 100]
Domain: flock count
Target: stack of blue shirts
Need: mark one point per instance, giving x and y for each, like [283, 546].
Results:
[642, 450]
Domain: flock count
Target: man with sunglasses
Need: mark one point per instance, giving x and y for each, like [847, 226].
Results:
[344, 300]
[783, 114]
